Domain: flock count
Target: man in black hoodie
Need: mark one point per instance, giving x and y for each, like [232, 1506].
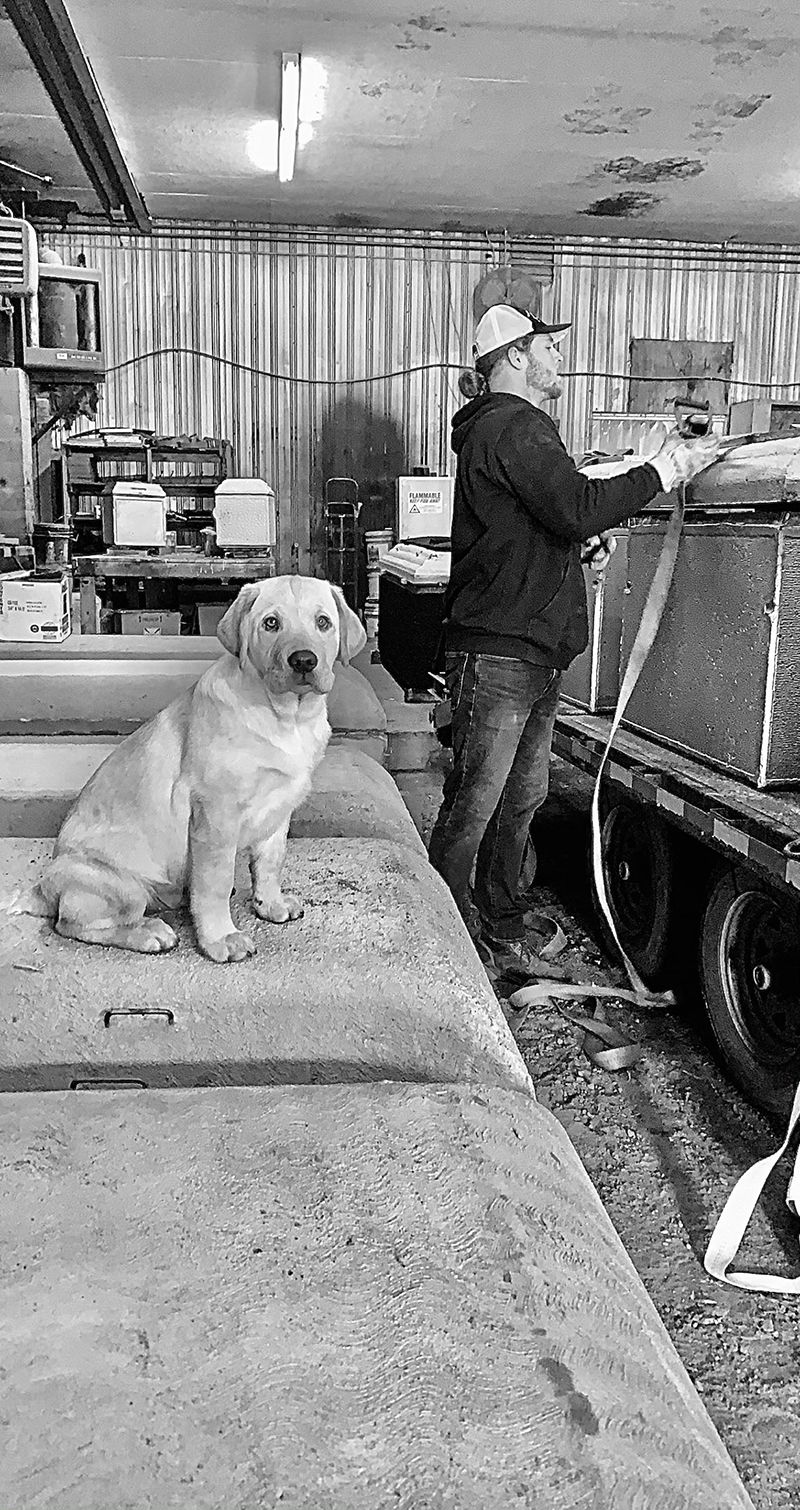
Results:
[515, 610]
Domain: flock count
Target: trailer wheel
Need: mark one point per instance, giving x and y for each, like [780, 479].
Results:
[750, 971]
[638, 871]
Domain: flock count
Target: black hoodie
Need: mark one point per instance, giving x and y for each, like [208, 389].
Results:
[521, 512]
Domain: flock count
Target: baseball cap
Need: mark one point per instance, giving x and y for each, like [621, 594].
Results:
[502, 325]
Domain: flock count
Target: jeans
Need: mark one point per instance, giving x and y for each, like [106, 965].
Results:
[503, 715]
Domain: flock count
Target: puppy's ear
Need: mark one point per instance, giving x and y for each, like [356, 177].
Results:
[352, 634]
[231, 626]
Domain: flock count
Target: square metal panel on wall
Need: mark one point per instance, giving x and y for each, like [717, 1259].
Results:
[664, 370]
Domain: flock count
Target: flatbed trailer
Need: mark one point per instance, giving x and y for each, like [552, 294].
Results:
[703, 878]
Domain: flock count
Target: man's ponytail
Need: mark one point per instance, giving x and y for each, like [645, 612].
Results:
[474, 381]
[472, 384]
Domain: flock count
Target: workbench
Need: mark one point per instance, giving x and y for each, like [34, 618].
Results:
[178, 567]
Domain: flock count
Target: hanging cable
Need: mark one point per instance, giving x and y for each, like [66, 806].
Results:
[400, 372]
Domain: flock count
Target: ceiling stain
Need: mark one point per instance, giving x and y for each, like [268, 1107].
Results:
[736, 48]
[401, 83]
[630, 205]
[420, 24]
[427, 23]
[600, 117]
[632, 170]
[739, 110]
[718, 115]
[604, 122]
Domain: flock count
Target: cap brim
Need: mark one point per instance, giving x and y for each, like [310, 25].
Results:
[556, 331]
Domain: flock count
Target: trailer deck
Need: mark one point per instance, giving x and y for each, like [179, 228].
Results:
[759, 828]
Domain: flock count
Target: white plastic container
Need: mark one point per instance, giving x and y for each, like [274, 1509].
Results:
[424, 507]
[371, 616]
[135, 514]
[244, 511]
[377, 543]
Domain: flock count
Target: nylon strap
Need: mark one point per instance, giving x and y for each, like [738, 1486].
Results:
[642, 645]
[618, 1054]
[726, 1239]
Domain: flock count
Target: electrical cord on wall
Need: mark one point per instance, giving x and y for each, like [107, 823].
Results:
[382, 377]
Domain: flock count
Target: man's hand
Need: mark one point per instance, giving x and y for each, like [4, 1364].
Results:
[679, 460]
[597, 551]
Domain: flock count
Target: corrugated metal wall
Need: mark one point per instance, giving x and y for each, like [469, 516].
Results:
[318, 355]
[615, 291]
[326, 353]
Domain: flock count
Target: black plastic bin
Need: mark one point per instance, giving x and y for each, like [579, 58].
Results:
[409, 630]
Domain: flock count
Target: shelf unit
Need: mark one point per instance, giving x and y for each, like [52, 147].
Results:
[188, 468]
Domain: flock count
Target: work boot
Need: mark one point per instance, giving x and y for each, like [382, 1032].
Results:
[529, 955]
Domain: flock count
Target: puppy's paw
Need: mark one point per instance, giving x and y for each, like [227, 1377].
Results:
[155, 936]
[234, 946]
[284, 910]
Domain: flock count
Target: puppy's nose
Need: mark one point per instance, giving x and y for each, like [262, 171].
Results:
[302, 661]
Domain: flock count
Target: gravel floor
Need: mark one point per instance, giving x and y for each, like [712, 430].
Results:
[664, 1142]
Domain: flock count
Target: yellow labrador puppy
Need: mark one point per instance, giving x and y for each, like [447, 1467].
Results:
[218, 771]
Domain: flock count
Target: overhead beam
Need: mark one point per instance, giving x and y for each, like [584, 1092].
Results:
[49, 38]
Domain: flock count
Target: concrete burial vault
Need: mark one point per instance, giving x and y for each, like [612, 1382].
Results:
[295, 1232]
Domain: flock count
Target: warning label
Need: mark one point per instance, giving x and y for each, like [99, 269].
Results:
[425, 503]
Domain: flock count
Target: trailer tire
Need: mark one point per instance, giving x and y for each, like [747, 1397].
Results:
[750, 969]
[638, 869]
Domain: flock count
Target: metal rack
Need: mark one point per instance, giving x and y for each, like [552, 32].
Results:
[139, 572]
[340, 513]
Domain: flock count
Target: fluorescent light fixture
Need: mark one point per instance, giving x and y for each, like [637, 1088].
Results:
[290, 115]
[313, 83]
[262, 145]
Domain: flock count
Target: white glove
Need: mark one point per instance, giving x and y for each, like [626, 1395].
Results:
[680, 460]
[597, 551]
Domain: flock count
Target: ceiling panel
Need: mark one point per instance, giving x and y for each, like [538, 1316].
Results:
[638, 118]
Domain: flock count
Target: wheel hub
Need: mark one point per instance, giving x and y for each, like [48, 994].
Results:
[759, 959]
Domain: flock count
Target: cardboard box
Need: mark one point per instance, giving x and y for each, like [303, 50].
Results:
[209, 615]
[35, 609]
[149, 621]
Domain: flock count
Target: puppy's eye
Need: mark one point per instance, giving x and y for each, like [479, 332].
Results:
[271, 622]
[323, 622]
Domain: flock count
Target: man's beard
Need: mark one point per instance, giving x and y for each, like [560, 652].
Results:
[543, 379]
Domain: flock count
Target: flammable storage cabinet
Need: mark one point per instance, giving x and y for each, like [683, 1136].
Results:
[701, 862]
[424, 507]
